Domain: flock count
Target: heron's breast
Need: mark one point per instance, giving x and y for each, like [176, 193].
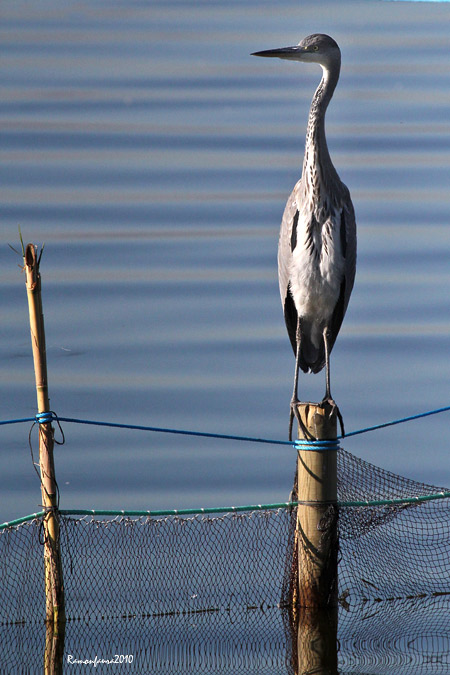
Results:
[316, 270]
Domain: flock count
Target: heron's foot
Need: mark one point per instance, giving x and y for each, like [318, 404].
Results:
[293, 413]
[334, 406]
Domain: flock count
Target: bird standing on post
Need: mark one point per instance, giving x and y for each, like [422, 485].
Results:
[317, 244]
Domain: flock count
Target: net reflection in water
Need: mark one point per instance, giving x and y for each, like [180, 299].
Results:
[408, 637]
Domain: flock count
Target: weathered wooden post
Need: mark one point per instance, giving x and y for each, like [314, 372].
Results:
[317, 514]
[54, 589]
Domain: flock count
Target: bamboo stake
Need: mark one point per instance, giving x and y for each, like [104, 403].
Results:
[54, 589]
[316, 530]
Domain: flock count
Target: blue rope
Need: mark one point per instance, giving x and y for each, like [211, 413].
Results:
[23, 419]
[46, 418]
[302, 444]
[400, 421]
[182, 432]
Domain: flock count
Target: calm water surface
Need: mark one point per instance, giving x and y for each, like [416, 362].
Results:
[154, 156]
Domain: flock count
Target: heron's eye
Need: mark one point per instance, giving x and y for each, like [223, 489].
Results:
[316, 48]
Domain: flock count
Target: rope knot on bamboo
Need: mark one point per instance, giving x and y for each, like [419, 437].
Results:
[46, 417]
[317, 445]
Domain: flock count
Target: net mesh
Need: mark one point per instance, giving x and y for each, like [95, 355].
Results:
[212, 590]
[391, 550]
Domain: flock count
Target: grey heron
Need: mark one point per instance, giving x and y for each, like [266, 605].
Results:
[317, 243]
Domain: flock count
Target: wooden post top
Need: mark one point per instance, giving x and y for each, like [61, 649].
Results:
[319, 421]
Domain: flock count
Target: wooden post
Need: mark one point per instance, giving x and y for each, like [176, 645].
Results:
[317, 515]
[54, 589]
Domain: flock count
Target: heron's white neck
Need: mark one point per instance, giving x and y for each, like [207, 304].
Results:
[317, 157]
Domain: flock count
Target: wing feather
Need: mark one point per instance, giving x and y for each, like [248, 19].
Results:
[286, 244]
[348, 248]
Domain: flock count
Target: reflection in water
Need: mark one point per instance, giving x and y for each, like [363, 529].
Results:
[408, 637]
[311, 649]
[314, 642]
[54, 648]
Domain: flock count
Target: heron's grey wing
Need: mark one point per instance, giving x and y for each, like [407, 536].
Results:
[348, 248]
[286, 244]
[349, 227]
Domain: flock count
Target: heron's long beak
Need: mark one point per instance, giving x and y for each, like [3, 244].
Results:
[282, 53]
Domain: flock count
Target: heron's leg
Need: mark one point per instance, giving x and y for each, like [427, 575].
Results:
[294, 399]
[328, 396]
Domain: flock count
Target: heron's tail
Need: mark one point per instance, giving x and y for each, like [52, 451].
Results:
[312, 358]
[312, 348]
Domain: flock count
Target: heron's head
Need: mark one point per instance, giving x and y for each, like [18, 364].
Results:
[317, 48]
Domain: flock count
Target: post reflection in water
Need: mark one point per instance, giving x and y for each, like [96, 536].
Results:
[54, 648]
[315, 643]
[400, 637]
